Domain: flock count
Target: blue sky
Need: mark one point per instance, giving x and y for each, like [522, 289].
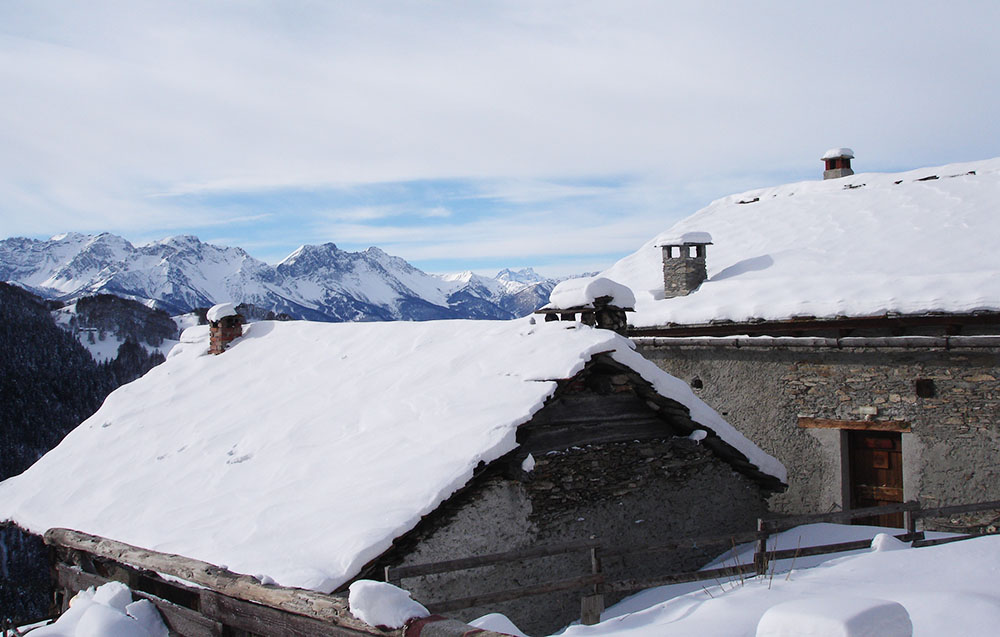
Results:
[457, 135]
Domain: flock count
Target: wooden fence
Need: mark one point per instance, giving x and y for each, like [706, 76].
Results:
[596, 583]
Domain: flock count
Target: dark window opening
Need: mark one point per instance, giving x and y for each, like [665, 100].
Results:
[925, 388]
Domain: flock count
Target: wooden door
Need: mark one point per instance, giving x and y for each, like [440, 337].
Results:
[876, 474]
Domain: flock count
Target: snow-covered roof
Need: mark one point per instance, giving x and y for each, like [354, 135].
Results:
[865, 245]
[220, 311]
[582, 292]
[306, 448]
[834, 153]
[685, 237]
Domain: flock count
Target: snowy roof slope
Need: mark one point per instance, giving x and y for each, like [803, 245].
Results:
[306, 448]
[857, 246]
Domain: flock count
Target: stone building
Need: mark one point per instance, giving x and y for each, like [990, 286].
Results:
[314, 454]
[849, 328]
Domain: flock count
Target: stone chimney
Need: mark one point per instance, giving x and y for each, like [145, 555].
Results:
[684, 263]
[224, 326]
[598, 301]
[838, 163]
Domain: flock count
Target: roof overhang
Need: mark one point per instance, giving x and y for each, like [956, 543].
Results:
[799, 326]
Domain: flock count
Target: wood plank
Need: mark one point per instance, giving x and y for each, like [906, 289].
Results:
[490, 559]
[840, 547]
[778, 524]
[686, 543]
[945, 511]
[179, 620]
[328, 608]
[892, 494]
[575, 583]
[948, 540]
[263, 620]
[900, 426]
[632, 585]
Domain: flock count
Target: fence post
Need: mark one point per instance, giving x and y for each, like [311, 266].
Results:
[591, 606]
[760, 555]
[910, 519]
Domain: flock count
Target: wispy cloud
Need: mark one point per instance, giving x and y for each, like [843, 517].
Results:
[597, 117]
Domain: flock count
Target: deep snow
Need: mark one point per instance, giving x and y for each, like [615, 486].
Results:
[301, 452]
[857, 246]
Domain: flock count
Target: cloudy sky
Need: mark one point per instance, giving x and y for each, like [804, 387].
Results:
[466, 135]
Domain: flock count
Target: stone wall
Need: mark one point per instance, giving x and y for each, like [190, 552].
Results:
[623, 494]
[683, 272]
[952, 455]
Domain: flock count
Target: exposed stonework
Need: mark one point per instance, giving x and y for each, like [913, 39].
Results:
[952, 454]
[612, 463]
[627, 494]
[683, 268]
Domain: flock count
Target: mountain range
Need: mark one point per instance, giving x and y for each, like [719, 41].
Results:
[315, 282]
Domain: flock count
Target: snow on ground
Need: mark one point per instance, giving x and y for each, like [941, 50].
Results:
[106, 612]
[306, 448]
[856, 246]
[945, 590]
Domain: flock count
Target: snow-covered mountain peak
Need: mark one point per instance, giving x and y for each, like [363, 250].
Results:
[524, 275]
[318, 282]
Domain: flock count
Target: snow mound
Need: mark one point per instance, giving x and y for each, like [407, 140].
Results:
[220, 311]
[497, 623]
[574, 293]
[106, 612]
[836, 616]
[382, 604]
[886, 542]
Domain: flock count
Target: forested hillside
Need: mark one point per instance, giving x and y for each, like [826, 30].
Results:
[49, 383]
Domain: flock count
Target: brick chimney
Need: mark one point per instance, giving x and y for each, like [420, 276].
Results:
[224, 326]
[838, 163]
[684, 263]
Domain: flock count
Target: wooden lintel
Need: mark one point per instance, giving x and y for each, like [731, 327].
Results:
[861, 425]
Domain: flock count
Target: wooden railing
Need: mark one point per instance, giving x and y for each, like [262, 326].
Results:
[597, 582]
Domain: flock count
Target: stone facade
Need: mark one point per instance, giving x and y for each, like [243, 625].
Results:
[625, 494]
[612, 463]
[683, 268]
[949, 398]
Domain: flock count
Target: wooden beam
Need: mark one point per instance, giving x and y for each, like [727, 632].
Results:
[809, 324]
[575, 583]
[179, 620]
[327, 608]
[900, 426]
[491, 559]
[780, 524]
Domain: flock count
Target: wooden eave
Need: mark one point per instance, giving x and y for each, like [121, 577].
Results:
[898, 324]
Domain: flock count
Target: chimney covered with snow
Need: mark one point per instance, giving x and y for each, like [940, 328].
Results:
[600, 302]
[224, 326]
[684, 263]
[838, 163]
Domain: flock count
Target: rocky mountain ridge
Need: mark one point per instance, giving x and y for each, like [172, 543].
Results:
[316, 282]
